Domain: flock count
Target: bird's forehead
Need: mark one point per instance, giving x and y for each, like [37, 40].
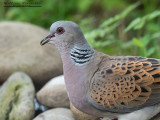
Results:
[66, 24]
[55, 25]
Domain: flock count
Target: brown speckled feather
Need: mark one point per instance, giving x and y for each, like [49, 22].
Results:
[125, 84]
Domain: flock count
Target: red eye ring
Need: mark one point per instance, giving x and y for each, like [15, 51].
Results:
[60, 30]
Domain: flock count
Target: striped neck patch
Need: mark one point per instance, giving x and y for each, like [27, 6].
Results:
[81, 56]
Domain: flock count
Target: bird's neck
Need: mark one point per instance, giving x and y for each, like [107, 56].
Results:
[77, 70]
[81, 55]
[75, 64]
[77, 56]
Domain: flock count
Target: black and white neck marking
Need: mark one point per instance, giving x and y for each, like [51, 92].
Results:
[81, 56]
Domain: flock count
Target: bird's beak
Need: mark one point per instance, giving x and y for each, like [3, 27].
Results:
[46, 39]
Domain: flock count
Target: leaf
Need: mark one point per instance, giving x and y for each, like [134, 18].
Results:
[153, 15]
[133, 24]
[119, 16]
[146, 39]
[150, 51]
[138, 42]
[156, 35]
[138, 23]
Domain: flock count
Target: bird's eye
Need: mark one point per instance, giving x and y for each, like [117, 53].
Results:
[60, 30]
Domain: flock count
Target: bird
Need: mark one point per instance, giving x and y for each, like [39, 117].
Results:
[117, 87]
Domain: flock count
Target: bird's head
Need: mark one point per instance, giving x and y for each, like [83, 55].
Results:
[64, 34]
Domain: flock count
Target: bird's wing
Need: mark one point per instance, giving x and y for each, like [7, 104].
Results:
[126, 86]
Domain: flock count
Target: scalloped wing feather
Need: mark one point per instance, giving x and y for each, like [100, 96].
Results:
[126, 85]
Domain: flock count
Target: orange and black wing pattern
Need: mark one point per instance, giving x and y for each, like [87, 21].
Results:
[127, 84]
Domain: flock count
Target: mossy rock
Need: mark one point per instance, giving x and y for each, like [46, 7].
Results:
[17, 98]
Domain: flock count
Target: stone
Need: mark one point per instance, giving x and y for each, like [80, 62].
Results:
[17, 98]
[106, 118]
[79, 115]
[157, 117]
[54, 93]
[56, 114]
[20, 50]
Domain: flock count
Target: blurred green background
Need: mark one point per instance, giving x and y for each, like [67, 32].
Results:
[116, 27]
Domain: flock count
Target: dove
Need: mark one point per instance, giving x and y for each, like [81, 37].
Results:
[116, 87]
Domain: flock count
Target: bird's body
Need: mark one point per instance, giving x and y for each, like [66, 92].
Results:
[123, 87]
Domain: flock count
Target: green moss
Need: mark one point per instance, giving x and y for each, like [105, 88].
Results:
[14, 99]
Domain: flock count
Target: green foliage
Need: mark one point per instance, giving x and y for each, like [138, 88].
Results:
[111, 36]
[114, 27]
[106, 28]
[119, 16]
[138, 23]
